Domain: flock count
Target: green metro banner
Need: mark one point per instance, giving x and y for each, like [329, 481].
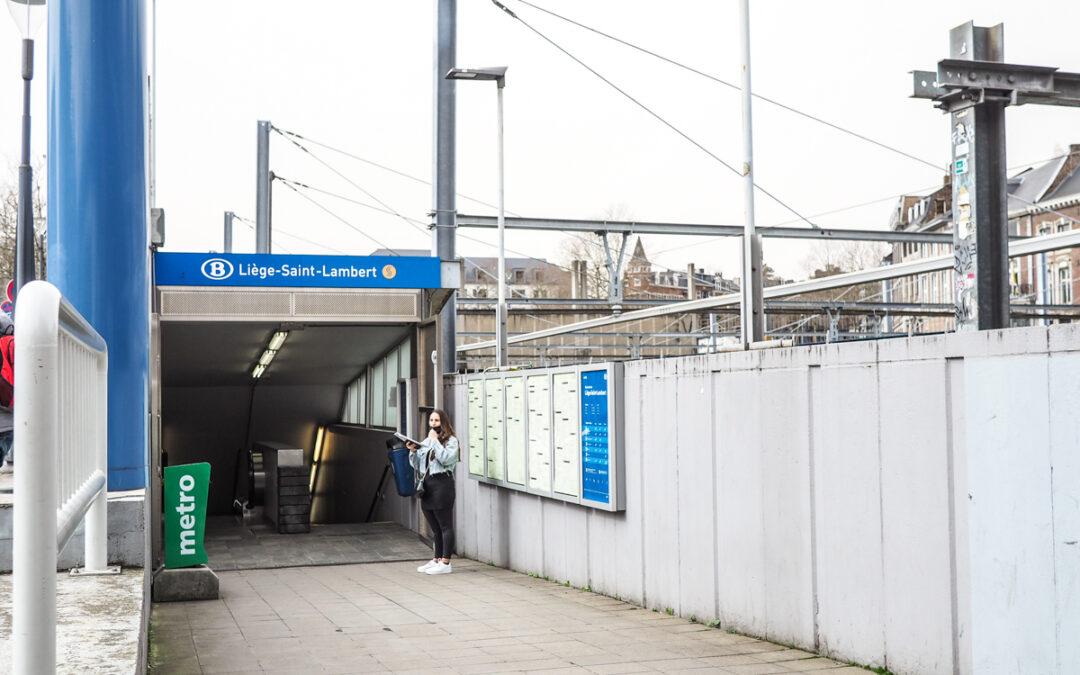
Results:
[186, 488]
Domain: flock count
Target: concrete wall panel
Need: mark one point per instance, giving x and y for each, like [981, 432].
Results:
[740, 521]
[1065, 460]
[696, 483]
[576, 544]
[485, 503]
[1011, 519]
[785, 494]
[628, 526]
[848, 512]
[905, 503]
[553, 524]
[660, 494]
[915, 507]
[524, 540]
[958, 552]
[502, 523]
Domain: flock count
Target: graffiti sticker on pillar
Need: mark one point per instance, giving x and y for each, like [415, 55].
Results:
[186, 488]
[963, 208]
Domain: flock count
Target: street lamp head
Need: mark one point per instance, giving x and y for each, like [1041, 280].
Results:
[496, 74]
[28, 15]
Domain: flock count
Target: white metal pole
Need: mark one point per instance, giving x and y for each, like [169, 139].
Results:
[501, 354]
[37, 424]
[97, 522]
[752, 316]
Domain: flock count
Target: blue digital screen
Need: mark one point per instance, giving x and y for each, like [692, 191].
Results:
[296, 271]
[595, 446]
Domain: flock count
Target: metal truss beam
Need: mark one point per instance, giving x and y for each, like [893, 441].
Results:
[1042, 244]
[600, 306]
[633, 227]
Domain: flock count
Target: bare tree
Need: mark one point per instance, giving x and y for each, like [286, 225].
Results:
[828, 258]
[9, 221]
[590, 248]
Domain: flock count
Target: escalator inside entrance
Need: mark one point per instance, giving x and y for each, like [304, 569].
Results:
[297, 472]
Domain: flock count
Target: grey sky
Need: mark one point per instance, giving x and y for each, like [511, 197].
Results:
[358, 75]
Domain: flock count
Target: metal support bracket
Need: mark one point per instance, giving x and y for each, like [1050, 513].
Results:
[614, 267]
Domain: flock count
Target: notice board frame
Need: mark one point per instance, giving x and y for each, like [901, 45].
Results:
[616, 477]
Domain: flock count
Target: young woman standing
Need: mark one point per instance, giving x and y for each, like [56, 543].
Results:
[435, 458]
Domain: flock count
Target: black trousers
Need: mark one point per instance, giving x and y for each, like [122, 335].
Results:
[438, 507]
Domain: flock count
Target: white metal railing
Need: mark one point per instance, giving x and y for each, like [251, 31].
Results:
[61, 432]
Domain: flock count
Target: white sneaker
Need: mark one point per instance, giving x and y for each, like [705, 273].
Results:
[439, 568]
[428, 565]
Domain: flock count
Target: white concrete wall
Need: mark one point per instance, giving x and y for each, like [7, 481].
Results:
[912, 504]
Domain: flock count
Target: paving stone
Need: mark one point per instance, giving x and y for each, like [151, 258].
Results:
[385, 617]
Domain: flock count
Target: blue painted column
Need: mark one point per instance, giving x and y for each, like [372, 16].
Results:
[98, 204]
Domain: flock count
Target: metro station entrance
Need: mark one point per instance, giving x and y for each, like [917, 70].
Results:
[291, 394]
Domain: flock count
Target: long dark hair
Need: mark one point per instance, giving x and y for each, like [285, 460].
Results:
[446, 428]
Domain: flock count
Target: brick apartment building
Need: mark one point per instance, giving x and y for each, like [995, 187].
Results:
[642, 281]
[1042, 200]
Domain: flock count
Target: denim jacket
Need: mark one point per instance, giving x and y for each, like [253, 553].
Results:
[442, 458]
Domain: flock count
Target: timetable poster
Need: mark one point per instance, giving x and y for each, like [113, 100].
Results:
[476, 427]
[595, 448]
[515, 430]
[567, 467]
[494, 418]
[539, 392]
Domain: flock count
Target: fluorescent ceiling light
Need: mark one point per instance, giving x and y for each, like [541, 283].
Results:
[278, 340]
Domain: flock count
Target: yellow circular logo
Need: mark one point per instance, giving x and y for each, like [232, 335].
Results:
[389, 271]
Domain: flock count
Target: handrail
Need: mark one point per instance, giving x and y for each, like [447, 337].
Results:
[61, 435]
[79, 328]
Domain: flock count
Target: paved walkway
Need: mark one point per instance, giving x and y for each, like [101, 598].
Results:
[385, 617]
[234, 546]
[97, 628]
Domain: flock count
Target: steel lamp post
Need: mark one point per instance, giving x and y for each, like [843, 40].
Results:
[497, 75]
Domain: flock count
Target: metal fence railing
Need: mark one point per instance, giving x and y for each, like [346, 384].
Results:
[61, 381]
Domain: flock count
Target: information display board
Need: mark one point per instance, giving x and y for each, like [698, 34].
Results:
[555, 432]
[595, 449]
[514, 388]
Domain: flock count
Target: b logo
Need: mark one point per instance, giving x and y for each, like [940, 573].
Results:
[389, 271]
[217, 269]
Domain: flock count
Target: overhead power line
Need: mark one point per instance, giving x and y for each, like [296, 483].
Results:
[418, 224]
[396, 172]
[278, 230]
[341, 175]
[660, 118]
[342, 197]
[338, 218]
[726, 83]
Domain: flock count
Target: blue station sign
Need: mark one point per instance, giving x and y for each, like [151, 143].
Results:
[295, 271]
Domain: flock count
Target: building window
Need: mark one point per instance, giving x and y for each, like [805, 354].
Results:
[519, 276]
[1063, 225]
[1064, 279]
